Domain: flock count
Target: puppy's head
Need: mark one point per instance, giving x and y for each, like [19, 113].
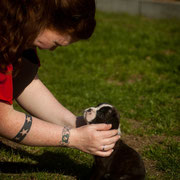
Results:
[103, 113]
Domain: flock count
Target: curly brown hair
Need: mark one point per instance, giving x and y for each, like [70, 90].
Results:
[22, 20]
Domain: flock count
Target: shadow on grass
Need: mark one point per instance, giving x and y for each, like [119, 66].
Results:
[49, 162]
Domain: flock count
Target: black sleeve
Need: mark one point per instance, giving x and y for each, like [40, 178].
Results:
[28, 70]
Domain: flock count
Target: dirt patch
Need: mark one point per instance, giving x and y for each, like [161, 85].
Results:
[151, 169]
[168, 52]
[115, 82]
[135, 124]
[132, 79]
[135, 78]
[136, 142]
[139, 143]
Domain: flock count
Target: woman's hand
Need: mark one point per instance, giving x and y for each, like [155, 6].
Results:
[96, 139]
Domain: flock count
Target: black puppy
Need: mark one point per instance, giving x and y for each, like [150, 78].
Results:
[124, 163]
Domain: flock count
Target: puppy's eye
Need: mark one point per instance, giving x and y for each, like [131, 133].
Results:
[89, 110]
[110, 111]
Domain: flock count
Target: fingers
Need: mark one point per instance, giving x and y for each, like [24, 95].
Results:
[111, 140]
[92, 139]
[104, 153]
[107, 147]
[104, 129]
[105, 150]
[110, 133]
[110, 136]
[107, 137]
[101, 127]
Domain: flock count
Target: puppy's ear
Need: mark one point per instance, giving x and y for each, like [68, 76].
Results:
[80, 121]
[115, 119]
[116, 114]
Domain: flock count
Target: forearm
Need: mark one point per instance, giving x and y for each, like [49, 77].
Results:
[40, 102]
[37, 133]
[32, 131]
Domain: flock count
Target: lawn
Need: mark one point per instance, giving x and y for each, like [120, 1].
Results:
[131, 62]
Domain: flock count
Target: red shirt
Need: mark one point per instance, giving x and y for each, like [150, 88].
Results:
[6, 85]
[11, 87]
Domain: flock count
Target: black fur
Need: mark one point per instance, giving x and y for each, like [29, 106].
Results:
[124, 163]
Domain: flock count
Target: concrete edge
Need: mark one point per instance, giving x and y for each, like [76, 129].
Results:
[149, 8]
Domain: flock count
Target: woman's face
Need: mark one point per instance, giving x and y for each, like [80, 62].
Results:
[49, 39]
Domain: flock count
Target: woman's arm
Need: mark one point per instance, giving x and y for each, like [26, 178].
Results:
[14, 125]
[39, 101]
[32, 131]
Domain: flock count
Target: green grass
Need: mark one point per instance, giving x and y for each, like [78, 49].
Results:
[130, 62]
[167, 157]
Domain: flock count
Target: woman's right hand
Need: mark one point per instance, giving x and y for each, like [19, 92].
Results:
[95, 139]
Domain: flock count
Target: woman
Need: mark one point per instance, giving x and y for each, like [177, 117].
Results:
[25, 25]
